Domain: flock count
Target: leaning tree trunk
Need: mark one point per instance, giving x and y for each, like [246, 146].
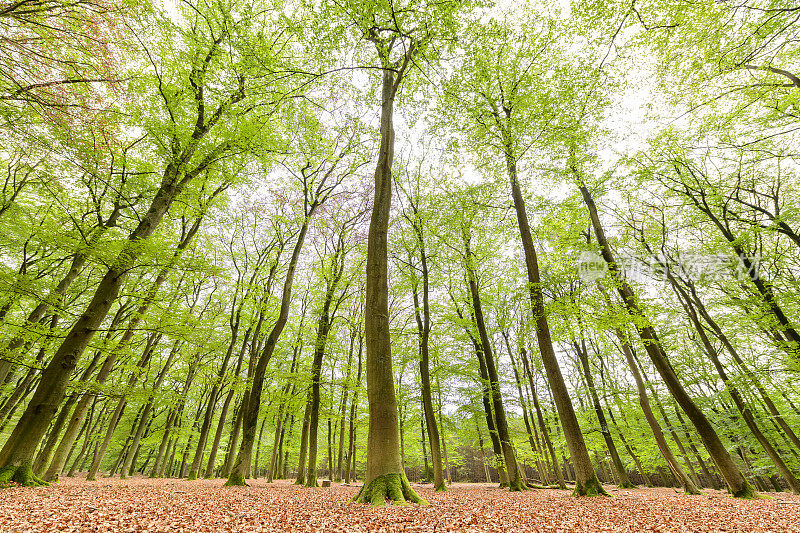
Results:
[486, 394]
[516, 482]
[644, 402]
[741, 405]
[717, 330]
[424, 331]
[491, 426]
[45, 455]
[194, 470]
[122, 403]
[533, 433]
[223, 415]
[55, 296]
[286, 393]
[251, 407]
[616, 462]
[17, 453]
[146, 419]
[586, 483]
[738, 485]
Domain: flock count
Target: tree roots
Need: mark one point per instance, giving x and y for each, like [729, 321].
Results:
[392, 487]
[591, 488]
[517, 485]
[22, 475]
[235, 480]
[311, 481]
[747, 492]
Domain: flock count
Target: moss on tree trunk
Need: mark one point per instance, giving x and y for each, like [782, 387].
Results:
[388, 487]
[592, 487]
[21, 474]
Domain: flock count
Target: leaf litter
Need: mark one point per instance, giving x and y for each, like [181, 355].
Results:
[167, 505]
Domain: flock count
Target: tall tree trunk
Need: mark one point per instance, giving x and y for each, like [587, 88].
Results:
[351, 447]
[586, 483]
[332, 278]
[616, 463]
[343, 408]
[515, 480]
[686, 482]
[424, 331]
[251, 407]
[384, 479]
[223, 415]
[486, 395]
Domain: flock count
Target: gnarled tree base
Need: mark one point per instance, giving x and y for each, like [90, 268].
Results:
[22, 475]
[590, 488]
[747, 492]
[236, 480]
[393, 487]
[517, 486]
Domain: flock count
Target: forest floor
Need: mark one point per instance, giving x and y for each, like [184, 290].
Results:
[168, 505]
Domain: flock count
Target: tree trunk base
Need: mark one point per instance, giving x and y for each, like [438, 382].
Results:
[311, 482]
[591, 488]
[691, 490]
[236, 480]
[441, 487]
[192, 476]
[393, 487]
[747, 492]
[22, 475]
[517, 486]
[300, 481]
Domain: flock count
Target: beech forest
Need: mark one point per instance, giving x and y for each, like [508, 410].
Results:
[399, 265]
